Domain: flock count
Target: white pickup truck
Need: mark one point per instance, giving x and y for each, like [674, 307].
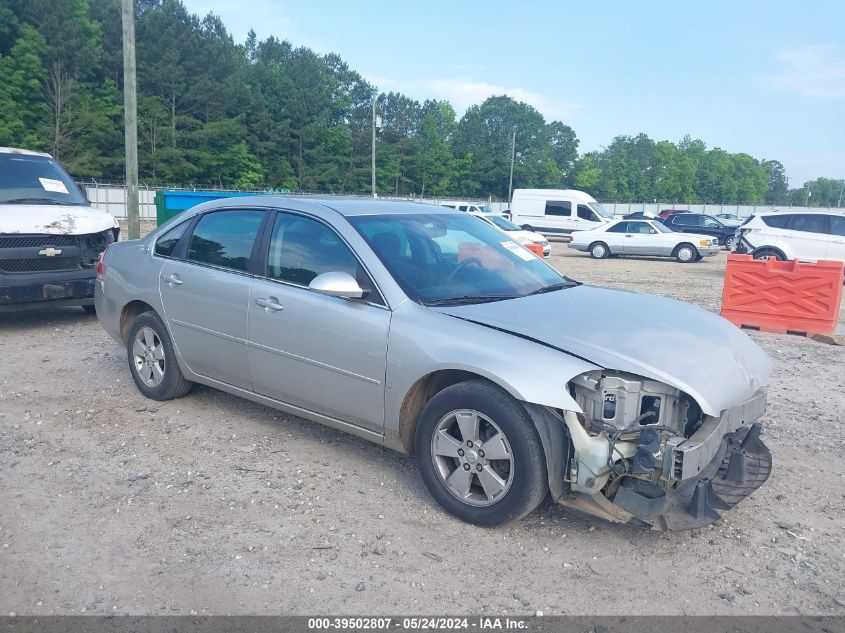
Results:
[50, 235]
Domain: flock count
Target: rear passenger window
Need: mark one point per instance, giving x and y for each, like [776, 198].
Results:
[809, 223]
[837, 225]
[167, 242]
[225, 238]
[777, 221]
[684, 219]
[558, 208]
[622, 227]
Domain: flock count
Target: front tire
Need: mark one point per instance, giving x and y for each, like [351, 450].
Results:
[768, 253]
[686, 253]
[599, 250]
[730, 242]
[152, 359]
[479, 454]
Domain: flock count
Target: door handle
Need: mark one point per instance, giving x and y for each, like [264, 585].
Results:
[269, 304]
[629, 236]
[171, 280]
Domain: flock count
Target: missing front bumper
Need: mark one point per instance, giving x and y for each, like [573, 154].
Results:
[741, 465]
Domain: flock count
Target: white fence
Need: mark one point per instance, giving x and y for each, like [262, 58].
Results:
[112, 198]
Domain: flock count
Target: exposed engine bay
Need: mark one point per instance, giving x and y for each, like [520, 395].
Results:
[644, 450]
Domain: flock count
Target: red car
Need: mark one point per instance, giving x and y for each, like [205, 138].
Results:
[667, 212]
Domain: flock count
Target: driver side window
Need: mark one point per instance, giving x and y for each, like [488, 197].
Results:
[586, 213]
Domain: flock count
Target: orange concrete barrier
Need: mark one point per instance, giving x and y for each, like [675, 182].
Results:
[788, 296]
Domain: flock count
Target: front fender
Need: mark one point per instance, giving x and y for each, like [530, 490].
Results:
[529, 371]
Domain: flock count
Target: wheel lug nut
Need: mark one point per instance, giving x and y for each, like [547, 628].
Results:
[466, 466]
[461, 452]
[481, 453]
[478, 467]
[469, 443]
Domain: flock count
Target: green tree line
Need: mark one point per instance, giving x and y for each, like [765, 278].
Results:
[266, 114]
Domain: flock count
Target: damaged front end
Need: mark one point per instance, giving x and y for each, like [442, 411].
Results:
[643, 452]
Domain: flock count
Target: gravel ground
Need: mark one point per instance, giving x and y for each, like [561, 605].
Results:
[210, 504]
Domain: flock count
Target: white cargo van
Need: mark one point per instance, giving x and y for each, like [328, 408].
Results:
[556, 211]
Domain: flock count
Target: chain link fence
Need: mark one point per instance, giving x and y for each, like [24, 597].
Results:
[112, 197]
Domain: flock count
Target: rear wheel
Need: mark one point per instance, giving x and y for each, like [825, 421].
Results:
[730, 241]
[152, 359]
[599, 250]
[686, 253]
[479, 454]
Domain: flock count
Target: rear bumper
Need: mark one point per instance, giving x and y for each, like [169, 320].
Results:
[31, 291]
[578, 247]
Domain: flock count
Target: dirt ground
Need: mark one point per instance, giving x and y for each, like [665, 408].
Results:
[113, 504]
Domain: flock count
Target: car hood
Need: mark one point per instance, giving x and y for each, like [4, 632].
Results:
[690, 236]
[535, 238]
[656, 337]
[54, 219]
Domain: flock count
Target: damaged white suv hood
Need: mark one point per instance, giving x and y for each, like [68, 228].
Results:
[659, 338]
[54, 219]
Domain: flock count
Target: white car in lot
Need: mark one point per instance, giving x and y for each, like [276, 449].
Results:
[810, 235]
[643, 237]
[534, 242]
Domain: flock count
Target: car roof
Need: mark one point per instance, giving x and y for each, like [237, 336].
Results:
[344, 206]
[24, 152]
[802, 212]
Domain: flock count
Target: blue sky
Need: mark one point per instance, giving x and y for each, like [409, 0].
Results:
[767, 78]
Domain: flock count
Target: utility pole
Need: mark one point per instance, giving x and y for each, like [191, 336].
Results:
[130, 118]
[841, 189]
[513, 158]
[373, 176]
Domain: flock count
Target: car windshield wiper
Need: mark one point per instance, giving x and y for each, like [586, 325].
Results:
[31, 201]
[468, 299]
[552, 287]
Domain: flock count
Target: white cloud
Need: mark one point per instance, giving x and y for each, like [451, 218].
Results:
[812, 71]
[463, 93]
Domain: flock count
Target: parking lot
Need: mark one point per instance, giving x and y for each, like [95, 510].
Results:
[213, 505]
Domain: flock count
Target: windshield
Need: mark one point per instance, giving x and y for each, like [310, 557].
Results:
[444, 258]
[485, 209]
[26, 179]
[504, 224]
[598, 208]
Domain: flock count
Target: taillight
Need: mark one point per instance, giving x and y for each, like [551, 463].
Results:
[101, 269]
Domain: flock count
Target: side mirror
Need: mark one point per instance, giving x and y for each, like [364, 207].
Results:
[337, 284]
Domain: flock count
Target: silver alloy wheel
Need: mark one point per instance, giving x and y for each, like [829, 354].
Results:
[685, 254]
[599, 251]
[729, 243]
[148, 356]
[472, 457]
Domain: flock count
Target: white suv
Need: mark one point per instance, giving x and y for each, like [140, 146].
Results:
[809, 235]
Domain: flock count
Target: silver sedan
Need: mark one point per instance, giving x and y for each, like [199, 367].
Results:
[432, 333]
